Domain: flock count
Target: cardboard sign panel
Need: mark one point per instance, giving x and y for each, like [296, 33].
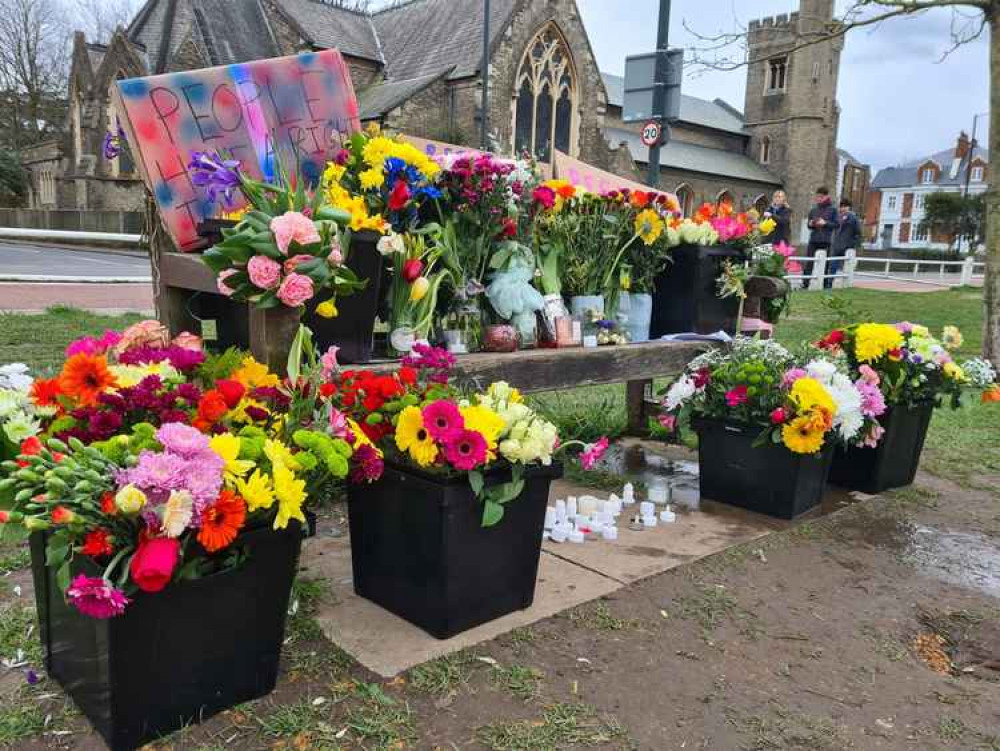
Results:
[296, 109]
[593, 179]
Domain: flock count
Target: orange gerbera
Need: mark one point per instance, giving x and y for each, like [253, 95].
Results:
[221, 521]
[84, 377]
[45, 392]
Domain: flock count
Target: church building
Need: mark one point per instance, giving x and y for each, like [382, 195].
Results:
[416, 69]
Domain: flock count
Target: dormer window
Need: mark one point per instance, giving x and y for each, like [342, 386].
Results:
[765, 150]
[927, 176]
[777, 73]
[977, 174]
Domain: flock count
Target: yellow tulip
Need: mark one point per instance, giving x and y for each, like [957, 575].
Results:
[327, 309]
[767, 226]
[419, 288]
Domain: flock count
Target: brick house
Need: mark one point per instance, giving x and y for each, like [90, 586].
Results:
[895, 207]
[416, 69]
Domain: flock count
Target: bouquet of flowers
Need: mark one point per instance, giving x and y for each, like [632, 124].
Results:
[907, 363]
[288, 246]
[758, 382]
[418, 417]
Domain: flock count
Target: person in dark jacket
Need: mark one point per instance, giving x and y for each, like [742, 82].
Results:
[781, 213]
[846, 236]
[822, 221]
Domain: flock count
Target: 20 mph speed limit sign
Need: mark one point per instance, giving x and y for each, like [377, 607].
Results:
[652, 132]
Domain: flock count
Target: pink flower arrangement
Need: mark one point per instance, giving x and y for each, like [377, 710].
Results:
[293, 226]
[296, 290]
[264, 272]
[95, 597]
[737, 396]
[729, 228]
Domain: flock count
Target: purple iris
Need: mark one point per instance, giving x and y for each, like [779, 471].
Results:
[219, 177]
[112, 146]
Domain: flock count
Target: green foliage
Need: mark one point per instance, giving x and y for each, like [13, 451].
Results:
[954, 215]
[220, 365]
[13, 180]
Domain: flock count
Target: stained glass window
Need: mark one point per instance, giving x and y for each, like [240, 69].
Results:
[545, 97]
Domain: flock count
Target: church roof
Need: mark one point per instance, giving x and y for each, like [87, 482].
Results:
[691, 158]
[381, 98]
[715, 114]
[422, 37]
[328, 27]
[234, 31]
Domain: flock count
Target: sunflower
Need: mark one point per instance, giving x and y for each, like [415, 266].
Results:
[412, 436]
[648, 226]
[84, 377]
[221, 522]
[801, 436]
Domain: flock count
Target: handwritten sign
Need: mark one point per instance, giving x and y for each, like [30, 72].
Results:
[295, 111]
[593, 179]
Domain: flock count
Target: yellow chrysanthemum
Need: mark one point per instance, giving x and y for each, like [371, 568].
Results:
[333, 173]
[485, 421]
[291, 494]
[279, 454]
[809, 394]
[801, 437]
[256, 491]
[253, 374]
[874, 340]
[372, 178]
[954, 372]
[227, 446]
[648, 226]
[412, 437]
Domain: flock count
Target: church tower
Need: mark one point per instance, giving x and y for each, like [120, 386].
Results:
[791, 105]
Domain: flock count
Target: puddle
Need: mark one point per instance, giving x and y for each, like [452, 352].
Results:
[963, 558]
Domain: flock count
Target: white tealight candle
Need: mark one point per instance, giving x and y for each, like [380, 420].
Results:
[558, 534]
[649, 521]
[628, 494]
[587, 504]
[550, 517]
[571, 506]
[647, 508]
[658, 493]
[575, 535]
[668, 516]
[610, 533]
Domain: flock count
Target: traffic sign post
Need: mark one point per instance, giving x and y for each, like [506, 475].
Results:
[651, 134]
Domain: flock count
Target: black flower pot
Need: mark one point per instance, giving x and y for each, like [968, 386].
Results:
[176, 656]
[418, 548]
[686, 295]
[767, 479]
[891, 464]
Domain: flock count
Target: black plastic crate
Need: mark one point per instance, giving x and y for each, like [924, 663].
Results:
[686, 294]
[418, 548]
[177, 656]
[891, 464]
[767, 479]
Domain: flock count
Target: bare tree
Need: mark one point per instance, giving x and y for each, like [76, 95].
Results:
[970, 19]
[98, 19]
[34, 54]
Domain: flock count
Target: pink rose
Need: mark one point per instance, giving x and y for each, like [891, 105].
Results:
[669, 422]
[296, 290]
[264, 272]
[293, 226]
[187, 340]
[336, 256]
[220, 282]
[294, 262]
[143, 334]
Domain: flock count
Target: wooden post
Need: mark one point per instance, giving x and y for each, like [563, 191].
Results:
[635, 402]
[850, 267]
[818, 270]
[968, 268]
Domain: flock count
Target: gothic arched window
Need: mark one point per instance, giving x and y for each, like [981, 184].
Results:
[685, 198]
[725, 197]
[544, 99]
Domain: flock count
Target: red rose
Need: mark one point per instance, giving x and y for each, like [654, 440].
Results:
[212, 407]
[778, 416]
[154, 562]
[412, 270]
[327, 390]
[399, 196]
[232, 391]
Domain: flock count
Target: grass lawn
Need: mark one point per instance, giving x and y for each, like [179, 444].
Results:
[962, 444]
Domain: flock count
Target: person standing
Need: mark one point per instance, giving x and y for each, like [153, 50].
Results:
[822, 221]
[846, 236]
[781, 213]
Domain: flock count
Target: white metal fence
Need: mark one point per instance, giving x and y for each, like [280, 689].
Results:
[844, 271]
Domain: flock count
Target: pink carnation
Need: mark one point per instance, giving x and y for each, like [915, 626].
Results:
[95, 597]
[220, 282]
[328, 361]
[296, 290]
[791, 376]
[868, 375]
[874, 435]
[264, 272]
[293, 226]
[593, 453]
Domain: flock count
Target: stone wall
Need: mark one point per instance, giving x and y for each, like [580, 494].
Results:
[425, 115]
[708, 187]
[118, 222]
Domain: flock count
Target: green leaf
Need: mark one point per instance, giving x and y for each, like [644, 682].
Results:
[330, 214]
[63, 577]
[492, 513]
[476, 483]
[267, 248]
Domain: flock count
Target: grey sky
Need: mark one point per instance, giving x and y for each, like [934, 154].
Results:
[898, 102]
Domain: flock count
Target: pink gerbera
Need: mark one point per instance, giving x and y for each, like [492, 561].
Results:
[466, 451]
[443, 420]
[95, 597]
[593, 453]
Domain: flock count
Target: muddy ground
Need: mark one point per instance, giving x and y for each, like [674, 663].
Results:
[873, 628]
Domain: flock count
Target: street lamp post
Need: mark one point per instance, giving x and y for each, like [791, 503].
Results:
[660, 93]
[484, 117]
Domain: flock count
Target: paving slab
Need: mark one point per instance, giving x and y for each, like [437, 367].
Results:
[388, 645]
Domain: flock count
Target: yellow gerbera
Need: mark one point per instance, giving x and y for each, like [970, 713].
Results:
[412, 436]
[808, 394]
[648, 226]
[488, 423]
[253, 374]
[227, 446]
[291, 493]
[873, 340]
[801, 437]
[256, 491]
